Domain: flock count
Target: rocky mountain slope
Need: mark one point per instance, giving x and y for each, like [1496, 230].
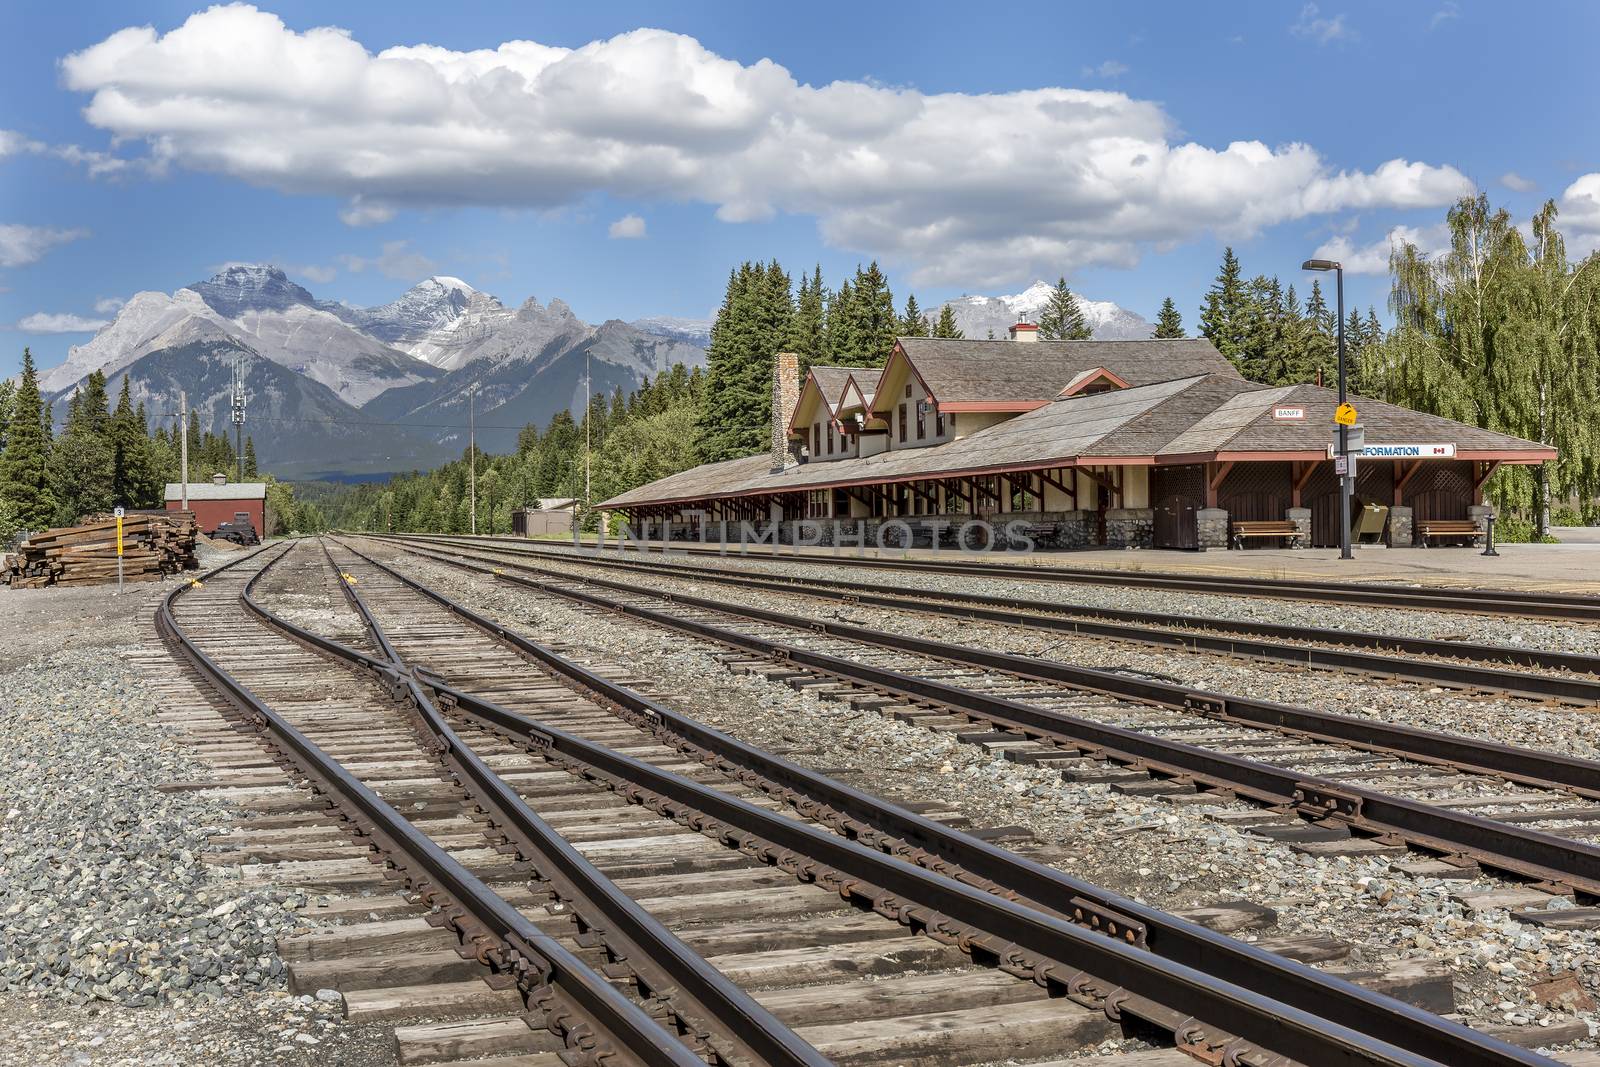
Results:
[978, 316]
[298, 424]
[262, 308]
[400, 371]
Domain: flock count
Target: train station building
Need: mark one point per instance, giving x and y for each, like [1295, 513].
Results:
[1154, 443]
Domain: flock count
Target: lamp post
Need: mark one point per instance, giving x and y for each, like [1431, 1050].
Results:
[1347, 481]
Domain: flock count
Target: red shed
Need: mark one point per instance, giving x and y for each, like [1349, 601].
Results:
[217, 501]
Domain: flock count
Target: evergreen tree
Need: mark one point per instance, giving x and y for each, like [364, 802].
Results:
[808, 337]
[1062, 319]
[1321, 352]
[8, 395]
[24, 465]
[872, 320]
[751, 325]
[841, 324]
[92, 412]
[1169, 324]
[946, 326]
[913, 323]
[251, 470]
[1223, 316]
[135, 481]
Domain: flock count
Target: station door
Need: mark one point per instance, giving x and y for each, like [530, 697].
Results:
[1177, 494]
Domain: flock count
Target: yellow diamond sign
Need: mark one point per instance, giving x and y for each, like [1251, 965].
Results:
[1345, 415]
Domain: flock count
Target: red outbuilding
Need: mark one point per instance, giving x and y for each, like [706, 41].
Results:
[219, 500]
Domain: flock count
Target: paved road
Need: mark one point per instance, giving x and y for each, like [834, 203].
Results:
[1577, 535]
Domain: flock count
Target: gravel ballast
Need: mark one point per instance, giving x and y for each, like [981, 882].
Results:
[118, 942]
[1170, 856]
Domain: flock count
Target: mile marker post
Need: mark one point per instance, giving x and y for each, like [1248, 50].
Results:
[119, 512]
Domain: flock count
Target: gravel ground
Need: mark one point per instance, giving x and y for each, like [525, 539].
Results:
[1166, 855]
[118, 944]
[1475, 629]
[1505, 720]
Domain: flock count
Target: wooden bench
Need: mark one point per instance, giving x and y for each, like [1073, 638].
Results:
[1262, 528]
[1449, 528]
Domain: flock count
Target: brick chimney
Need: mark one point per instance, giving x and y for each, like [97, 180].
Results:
[785, 395]
[1024, 331]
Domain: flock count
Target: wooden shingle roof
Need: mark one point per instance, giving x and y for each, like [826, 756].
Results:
[962, 371]
[1203, 417]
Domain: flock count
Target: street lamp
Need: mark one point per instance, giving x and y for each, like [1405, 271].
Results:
[1347, 482]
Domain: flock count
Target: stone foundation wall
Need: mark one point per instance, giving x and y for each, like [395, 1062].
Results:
[1479, 514]
[1213, 523]
[1301, 517]
[1129, 527]
[1402, 529]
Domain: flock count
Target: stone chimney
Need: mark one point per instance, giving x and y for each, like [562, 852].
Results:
[785, 395]
[1024, 331]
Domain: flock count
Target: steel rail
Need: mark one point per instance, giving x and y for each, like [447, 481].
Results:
[591, 1015]
[1530, 854]
[1152, 628]
[999, 870]
[1575, 606]
[741, 1029]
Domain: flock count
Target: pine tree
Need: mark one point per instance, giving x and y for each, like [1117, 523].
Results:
[946, 326]
[1222, 317]
[913, 323]
[134, 479]
[251, 470]
[8, 395]
[872, 319]
[841, 324]
[808, 329]
[1169, 324]
[1062, 319]
[1320, 343]
[24, 465]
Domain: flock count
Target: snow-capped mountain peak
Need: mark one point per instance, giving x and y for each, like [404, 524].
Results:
[980, 316]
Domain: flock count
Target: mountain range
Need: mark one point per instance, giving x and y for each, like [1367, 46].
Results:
[383, 388]
[337, 390]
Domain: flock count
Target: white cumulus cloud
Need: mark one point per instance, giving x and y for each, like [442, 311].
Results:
[962, 188]
[63, 322]
[628, 226]
[1579, 215]
[1373, 258]
[21, 245]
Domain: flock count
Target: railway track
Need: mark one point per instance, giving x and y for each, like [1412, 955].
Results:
[1515, 811]
[1533, 604]
[962, 961]
[1562, 676]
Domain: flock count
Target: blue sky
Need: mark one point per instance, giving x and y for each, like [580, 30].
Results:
[149, 159]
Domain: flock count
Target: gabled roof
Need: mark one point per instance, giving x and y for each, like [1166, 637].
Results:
[1019, 374]
[1083, 379]
[825, 384]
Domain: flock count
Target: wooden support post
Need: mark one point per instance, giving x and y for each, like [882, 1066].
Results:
[1401, 477]
[1484, 472]
[1301, 479]
[1216, 472]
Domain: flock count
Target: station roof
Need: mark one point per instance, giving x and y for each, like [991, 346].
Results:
[1200, 418]
[959, 371]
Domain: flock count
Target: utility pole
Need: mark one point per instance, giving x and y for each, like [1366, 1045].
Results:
[588, 423]
[183, 447]
[472, 456]
[238, 416]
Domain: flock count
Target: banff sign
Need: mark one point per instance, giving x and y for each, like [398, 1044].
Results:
[1433, 451]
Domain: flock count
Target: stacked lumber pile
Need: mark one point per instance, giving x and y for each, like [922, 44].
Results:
[154, 543]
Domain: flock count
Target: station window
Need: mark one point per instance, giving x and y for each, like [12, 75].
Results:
[817, 504]
[922, 423]
[816, 439]
[938, 425]
[902, 421]
[830, 438]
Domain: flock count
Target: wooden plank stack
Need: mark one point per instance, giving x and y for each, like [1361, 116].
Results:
[154, 544]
